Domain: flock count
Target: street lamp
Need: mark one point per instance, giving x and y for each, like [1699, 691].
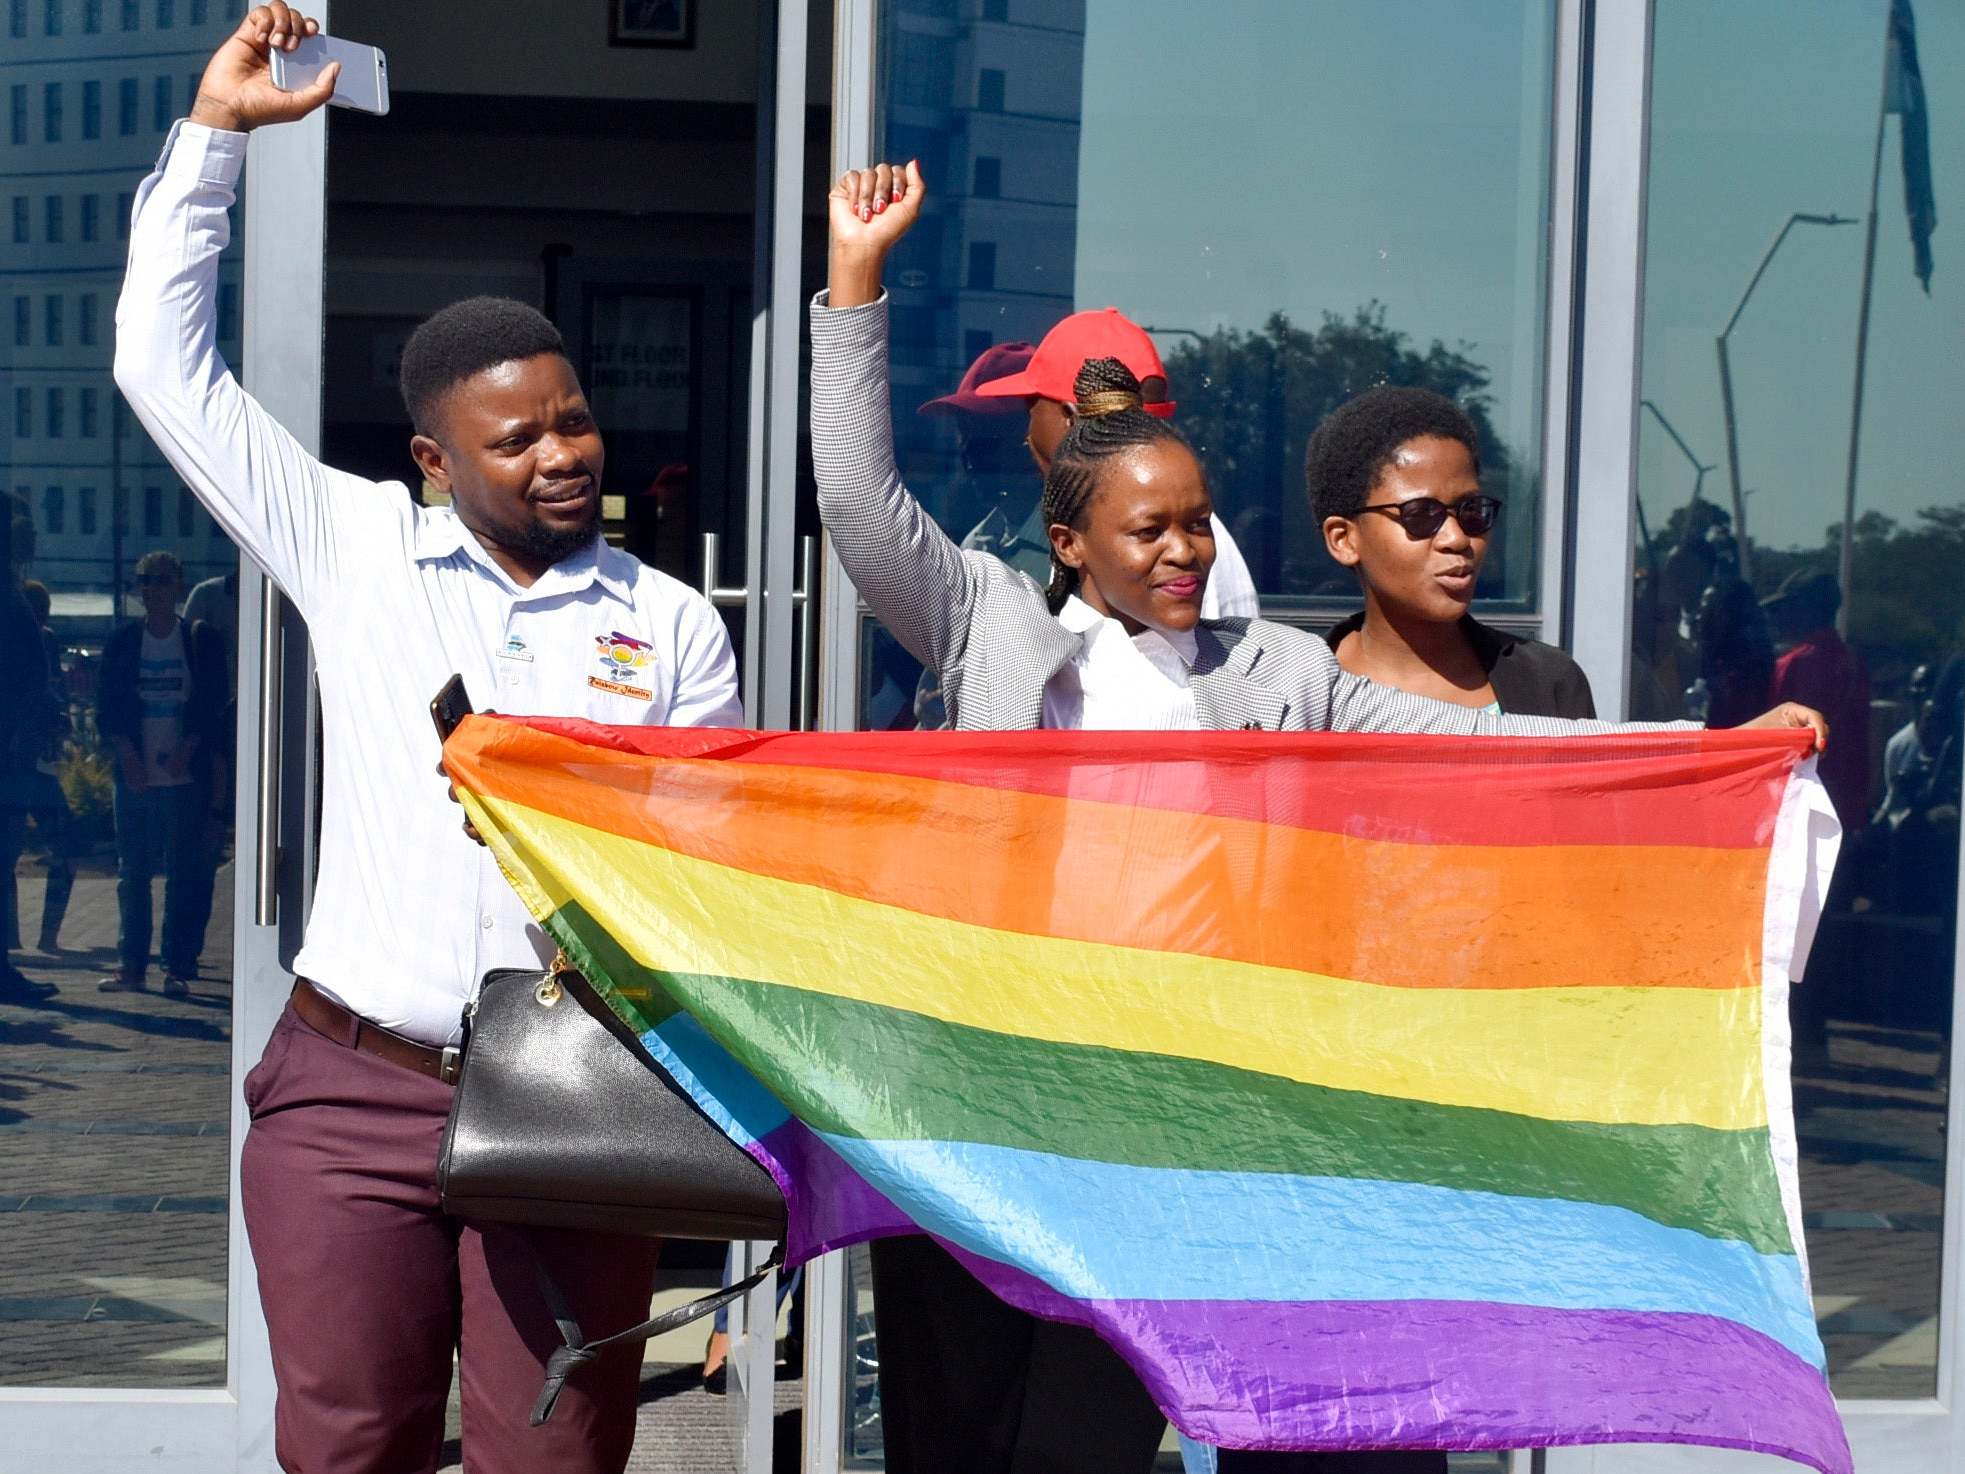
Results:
[1699, 468]
[1726, 379]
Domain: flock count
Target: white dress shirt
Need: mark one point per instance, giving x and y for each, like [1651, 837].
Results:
[408, 914]
[1119, 682]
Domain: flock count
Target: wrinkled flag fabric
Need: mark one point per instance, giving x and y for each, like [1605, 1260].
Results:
[1363, 1091]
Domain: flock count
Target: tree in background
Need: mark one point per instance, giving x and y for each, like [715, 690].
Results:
[1249, 400]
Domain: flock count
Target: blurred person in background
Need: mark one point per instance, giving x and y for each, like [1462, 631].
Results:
[160, 708]
[23, 697]
[53, 820]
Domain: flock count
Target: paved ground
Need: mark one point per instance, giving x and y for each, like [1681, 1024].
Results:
[113, 1183]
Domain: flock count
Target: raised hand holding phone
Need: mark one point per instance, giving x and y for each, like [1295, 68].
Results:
[870, 210]
[237, 91]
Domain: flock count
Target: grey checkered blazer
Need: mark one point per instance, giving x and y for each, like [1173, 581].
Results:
[986, 628]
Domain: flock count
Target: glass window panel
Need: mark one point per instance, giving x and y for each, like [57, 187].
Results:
[1763, 114]
[16, 17]
[161, 114]
[1409, 246]
[113, 1262]
[51, 18]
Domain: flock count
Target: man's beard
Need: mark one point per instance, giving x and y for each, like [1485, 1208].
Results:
[554, 544]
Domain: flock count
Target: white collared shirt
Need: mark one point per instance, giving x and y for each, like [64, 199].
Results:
[408, 913]
[1119, 682]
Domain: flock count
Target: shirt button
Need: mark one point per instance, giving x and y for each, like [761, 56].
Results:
[486, 923]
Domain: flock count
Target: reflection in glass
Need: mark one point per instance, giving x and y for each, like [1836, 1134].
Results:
[1295, 211]
[1761, 113]
[113, 1104]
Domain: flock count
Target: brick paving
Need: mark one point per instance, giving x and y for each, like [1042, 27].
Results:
[113, 1151]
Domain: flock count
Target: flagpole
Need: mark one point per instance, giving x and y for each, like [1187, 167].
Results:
[1846, 562]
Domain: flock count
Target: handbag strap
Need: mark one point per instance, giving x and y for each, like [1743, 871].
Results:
[578, 1351]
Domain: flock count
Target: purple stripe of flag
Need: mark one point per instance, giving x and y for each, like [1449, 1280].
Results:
[1257, 1374]
[827, 1203]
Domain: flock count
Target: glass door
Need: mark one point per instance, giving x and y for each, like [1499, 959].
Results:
[1792, 539]
[145, 884]
[1294, 203]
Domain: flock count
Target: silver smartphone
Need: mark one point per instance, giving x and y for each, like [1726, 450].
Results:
[364, 80]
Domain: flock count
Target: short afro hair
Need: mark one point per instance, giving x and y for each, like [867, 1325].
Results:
[467, 338]
[1358, 439]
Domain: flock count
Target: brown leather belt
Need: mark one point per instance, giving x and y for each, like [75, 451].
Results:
[322, 1014]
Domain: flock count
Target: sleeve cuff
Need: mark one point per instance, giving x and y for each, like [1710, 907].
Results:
[210, 156]
[822, 307]
[848, 327]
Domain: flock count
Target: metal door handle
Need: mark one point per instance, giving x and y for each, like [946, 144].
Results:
[266, 893]
[805, 603]
[717, 594]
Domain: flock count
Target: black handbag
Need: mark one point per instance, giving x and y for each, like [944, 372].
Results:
[562, 1119]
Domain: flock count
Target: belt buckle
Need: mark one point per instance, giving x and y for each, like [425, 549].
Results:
[449, 1063]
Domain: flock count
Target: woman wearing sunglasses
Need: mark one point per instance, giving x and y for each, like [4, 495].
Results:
[1395, 484]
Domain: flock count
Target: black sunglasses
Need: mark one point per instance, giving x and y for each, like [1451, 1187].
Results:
[1424, 516]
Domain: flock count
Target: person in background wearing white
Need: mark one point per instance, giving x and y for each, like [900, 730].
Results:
[369, 1288]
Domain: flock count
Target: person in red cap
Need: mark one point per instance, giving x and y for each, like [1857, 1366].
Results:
[991, 446]
[1044, 385]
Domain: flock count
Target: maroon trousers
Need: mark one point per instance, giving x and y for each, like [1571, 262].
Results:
[369, 1287]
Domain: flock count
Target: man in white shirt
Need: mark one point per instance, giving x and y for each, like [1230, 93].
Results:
[368, 1286]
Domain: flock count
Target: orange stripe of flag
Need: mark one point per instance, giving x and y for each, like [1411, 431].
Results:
[1367, 910]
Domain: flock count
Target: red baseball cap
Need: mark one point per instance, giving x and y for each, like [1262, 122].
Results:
[1053, 369]
[995, 362]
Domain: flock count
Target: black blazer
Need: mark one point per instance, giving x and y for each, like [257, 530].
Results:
[208, 713]
[1530, 678]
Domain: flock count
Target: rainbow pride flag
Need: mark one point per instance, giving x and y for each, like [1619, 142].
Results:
[1362, 1091]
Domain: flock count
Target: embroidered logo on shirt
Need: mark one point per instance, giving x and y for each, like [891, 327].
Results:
[622, 657]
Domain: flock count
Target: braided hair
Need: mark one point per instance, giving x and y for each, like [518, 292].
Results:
[1106, 421]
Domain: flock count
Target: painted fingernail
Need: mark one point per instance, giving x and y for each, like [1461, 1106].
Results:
[865, 213]
[879, 207]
